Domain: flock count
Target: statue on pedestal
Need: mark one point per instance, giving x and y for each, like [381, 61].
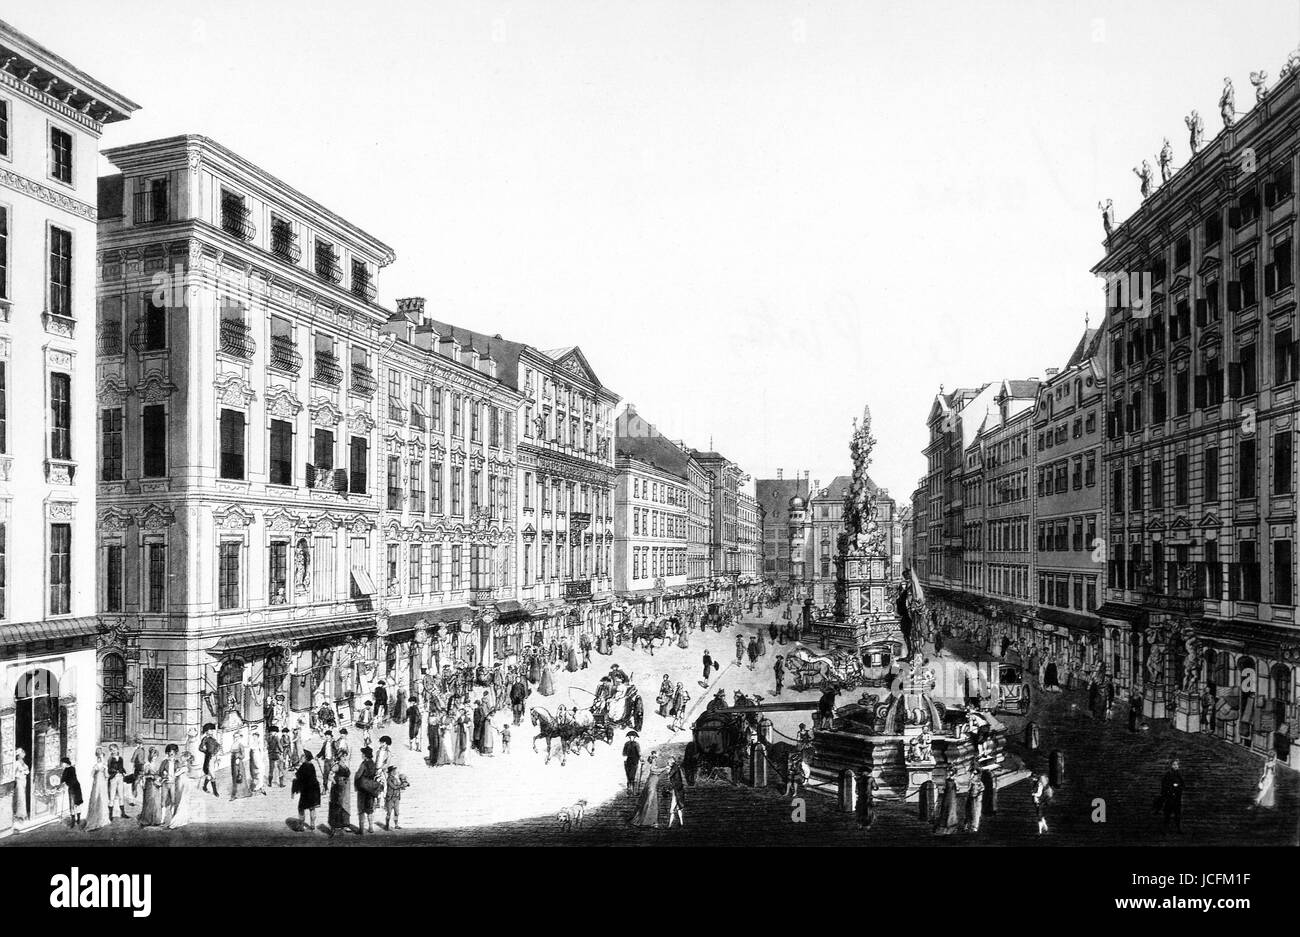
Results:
[1228, 103]
[1197, 128]
[1191, 662]
[1166, 161]
[1145, 175]
[1258, 79]
[1107, 216]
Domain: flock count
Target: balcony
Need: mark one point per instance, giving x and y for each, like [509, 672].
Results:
[284, 244]
[327, 369]
[363, 287]
[327, 265]
[236, 340]
[284, 357]
[235, 221]
[363, 381]
[149, 207]
[109, 339]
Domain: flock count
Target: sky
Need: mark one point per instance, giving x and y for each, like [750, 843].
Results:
[755, 217]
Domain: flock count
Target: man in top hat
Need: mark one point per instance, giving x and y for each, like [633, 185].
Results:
[631, 759]
[381, 702]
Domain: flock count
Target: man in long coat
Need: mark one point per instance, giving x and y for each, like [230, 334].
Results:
[631, 759]
[518, 694]
[480, 715]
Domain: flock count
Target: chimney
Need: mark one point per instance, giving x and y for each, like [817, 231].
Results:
[779, 474]
[412, 306]
[1052, 372]
[631, 409]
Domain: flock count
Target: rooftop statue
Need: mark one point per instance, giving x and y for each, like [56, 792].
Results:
[1228, 103]
[1166, 161]
[1107, 216]
[1258, 79]
[1197, 128]
[1145, 175]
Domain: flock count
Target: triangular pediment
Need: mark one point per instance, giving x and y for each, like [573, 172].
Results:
[575, 363]
[1156, 523]
[1180, 523]
[1210, 520]
[1181, 282]
[1208, 265]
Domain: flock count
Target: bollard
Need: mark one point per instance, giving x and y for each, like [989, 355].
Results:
[925, 800]
[1031, 736]
[1056, 769]
[848, 790]
[758, 766]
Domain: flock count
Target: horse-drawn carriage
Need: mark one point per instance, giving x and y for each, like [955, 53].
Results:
[721, 738]
[809, 670]
[580, 729]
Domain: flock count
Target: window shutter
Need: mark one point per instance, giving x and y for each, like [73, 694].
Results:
[1234, 295]
[341, 480]
[311, 475]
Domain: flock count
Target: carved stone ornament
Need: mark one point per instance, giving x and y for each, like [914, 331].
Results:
[155, 388]
[60, 510]
[361, 524]
[324, 412]
[325, 522]
[282, 402]
[113, 391]
[281, 521]
[115, 520]
[156, 517]
[233, 390]
[112, 632]
[233, 517]
[360, 421]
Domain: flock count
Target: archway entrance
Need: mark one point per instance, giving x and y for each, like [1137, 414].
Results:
[39, 733]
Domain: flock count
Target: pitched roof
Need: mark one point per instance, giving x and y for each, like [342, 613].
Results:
[1087, 347]
[637, 438]
[1026, 389]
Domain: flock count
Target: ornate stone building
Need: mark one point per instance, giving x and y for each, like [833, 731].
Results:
[239, 485]
[63, 676]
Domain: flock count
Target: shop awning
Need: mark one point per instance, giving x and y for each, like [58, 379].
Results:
[410, 621]
[1072, 620]
[60, 629]
[292, 632]
[509, 610]
[1121, 611]
[365, 585]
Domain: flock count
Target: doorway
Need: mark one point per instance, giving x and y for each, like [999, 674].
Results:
[39, 733]
[112, 705]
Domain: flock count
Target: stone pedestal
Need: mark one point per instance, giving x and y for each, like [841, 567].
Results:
[1153, 702]
[1187, 715]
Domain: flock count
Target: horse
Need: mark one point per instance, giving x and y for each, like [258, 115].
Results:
[551, 729]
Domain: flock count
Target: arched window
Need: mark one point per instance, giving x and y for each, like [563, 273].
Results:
[230, 690]
[112, 704]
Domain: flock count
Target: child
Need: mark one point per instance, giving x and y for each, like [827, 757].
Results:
[393, 797]
[505, 737]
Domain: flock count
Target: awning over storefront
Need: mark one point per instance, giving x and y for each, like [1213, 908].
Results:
[510, 610]
[1072, 620]
[297, 633]
[60, 629]
[408, 622]
[365, 585]
[1256, 637]
[1121, 611]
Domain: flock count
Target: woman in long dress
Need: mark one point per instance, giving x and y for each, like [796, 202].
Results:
[682, 639]
[665, 697]
[21, 773]
[647, 808]
[1267, 786]
[151, 812]
[181, 785]
[546, 686]
[975, 802]
[340, 818]
[446, 741]
[535, 668]
[948, 817]
[257, 765]
[866, 805]
[762, 645]
[489, 739]
[462, 737]
[97, 806]
[572, 665]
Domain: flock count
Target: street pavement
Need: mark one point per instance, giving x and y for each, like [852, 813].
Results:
[1111, 779]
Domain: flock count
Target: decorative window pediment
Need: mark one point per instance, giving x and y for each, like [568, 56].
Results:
[233, 517]
[233, 390]
[282, 402]
[155, 388]
[113, 391]
[156, 517]
[324, 412]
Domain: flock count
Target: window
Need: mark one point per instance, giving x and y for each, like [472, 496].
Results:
[153, 438]
[435, 487]
[110, 423]
[1282, 463]
[283, 240]
[4, 128]
[1246, 468]
[436, 574]
[455, 414]
[60, 416]
[435, 408]
[4, 247]
[1277, 275]
[1180, 478]
[396, 408]
[1284, 357]
[394, 484]
[281, 452]
[416, 484]
[1135, 487]
[1181, 403]
[60, 566]
[323, 451]
[359, 460]
[61, 155]
[1210, 479]
[457, 490]
[327, 261]
[1248, 550]
[278, 573]
[153, 688]
[156, 576]
[228, 575]
[232, 444]
[1283, 575]
[1157, 484]
[112, 576]
[415, 568]
[155, 325]
[455, 566]
[60, 272]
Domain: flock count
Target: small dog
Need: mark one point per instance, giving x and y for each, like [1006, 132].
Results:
[573, 816]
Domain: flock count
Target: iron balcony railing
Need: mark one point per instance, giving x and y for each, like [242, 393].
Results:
[327, 369]
[110, 338]
[327, 265]
[363, 380]
[284, 357]
[363, 287]
[284, 244]
[149, 207]
[236, 340]
[235, 221]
